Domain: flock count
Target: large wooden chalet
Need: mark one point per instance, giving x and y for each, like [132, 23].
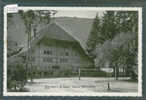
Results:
[54, 52]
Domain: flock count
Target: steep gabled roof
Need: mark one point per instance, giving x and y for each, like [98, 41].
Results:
[53, 31]
[79, 28]
[57, 32]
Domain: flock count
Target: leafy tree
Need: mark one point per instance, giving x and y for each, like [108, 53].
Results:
[31, 21]
[16, 77]
[117, 41]
[109, 26]
[93, 37]
[126, 21]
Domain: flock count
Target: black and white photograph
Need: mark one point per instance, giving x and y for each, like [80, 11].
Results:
[71, 51]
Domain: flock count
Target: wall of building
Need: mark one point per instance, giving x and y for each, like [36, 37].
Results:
[48, 57]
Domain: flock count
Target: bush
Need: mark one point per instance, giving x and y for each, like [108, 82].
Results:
[93, 74]
[16, 77]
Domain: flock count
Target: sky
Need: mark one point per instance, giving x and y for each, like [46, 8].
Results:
[80, 14]
[77, 13]
[17, 27]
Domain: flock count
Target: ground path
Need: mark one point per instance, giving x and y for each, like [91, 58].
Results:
[85, 84]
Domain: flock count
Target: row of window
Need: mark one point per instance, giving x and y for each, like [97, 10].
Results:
[49, 52]
[50, 67]
[46, 59]
[31, 58]
[55, 60]
[61, 60]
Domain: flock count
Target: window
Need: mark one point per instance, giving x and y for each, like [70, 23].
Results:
[56, 60]
[44, 59]
[44, 51]
[31, 58]
[49, 67]
[76, 54]
[61, 53]
[47, 59]
[56, 67]
[48, 52]
[67, 53]
[63, 60]
[64, 53]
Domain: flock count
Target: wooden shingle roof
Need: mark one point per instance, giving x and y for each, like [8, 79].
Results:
[53, 31]
[57, 32]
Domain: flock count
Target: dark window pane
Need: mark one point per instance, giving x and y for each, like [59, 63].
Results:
[55, 67]
[66, 53]
[44, 51]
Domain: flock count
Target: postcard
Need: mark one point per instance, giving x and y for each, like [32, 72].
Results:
[72, 51]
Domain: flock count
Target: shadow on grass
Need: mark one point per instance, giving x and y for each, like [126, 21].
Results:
[131, 80]
[113, 90]
[19, 90]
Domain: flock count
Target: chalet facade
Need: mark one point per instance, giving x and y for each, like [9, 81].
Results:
[55, 51]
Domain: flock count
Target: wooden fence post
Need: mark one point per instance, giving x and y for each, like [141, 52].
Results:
[79, 73]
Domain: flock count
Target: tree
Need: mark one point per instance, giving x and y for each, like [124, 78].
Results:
[31, 20]
[15, 72]
[117, 40]
[94, 37]
[108, 26]
[128, 24]
[126, 21]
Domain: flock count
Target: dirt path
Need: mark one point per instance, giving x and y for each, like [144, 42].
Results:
[59, 85]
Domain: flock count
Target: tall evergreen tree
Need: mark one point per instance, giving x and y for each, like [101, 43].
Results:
[126, 21]
[94, 37]
[109, 26]
[120, 30]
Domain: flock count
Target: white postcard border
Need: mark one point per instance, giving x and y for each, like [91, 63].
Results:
[133, 94]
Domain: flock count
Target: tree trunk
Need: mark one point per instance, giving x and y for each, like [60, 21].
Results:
[117, 72]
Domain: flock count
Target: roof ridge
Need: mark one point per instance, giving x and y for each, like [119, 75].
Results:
[40, 35]
[78, 40]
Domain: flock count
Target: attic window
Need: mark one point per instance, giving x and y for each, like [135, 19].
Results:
[46, 59]
[63, 60]
[44, 51]
[47, 52]
[55, 67]
[67, 53]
